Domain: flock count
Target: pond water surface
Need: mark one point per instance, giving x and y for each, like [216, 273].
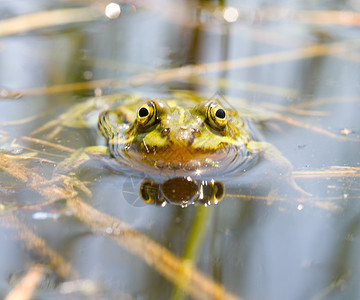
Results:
[86, 233]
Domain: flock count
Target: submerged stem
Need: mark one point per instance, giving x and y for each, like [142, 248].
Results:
[194, 243]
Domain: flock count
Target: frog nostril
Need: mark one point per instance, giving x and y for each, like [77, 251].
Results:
[165, 131]
[196, 132]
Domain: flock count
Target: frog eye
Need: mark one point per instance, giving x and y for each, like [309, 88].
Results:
[149, 192]
[218, 193]
[212, 192]
[146, 114]
[216, 116]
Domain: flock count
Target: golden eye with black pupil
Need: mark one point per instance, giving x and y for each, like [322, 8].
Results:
[143, 112]
[216, 116]
[220, 113]
[146, 115]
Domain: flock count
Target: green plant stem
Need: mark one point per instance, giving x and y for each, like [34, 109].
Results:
[194, 243]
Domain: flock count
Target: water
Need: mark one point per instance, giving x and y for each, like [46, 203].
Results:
[91, 235]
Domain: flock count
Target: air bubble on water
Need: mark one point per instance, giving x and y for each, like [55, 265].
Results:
[109, 230]
[346, 131]
[231, 14]
[112, 10]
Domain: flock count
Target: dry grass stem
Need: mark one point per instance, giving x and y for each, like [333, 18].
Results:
[293, 110]
[54, 133]
[352, 56]
[333, 172]
[49, 144]
[326, 101]
[170, 266]
[156, 256]
[37, 159]
[46, 19]
[200, 69]
[262, 59]
[310, 127]
[25, 289]
[7, 165]
[33, 180]
[319, 17]
[219, 83]
[320, 202]
[337, 283]
[340, 18]
[71, 87]
[37, 245]
[21, 121]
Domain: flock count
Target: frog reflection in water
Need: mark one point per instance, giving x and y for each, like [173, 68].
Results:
[183, 143]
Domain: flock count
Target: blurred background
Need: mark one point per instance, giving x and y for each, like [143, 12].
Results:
[294, 65]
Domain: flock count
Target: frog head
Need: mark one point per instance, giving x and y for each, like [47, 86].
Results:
[166, 135]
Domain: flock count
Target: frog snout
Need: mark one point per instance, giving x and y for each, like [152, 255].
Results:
[185, 135]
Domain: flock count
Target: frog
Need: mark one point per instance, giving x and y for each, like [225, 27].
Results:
[157, 134]
[188, 144]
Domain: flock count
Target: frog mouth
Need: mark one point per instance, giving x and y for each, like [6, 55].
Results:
[182, 162]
